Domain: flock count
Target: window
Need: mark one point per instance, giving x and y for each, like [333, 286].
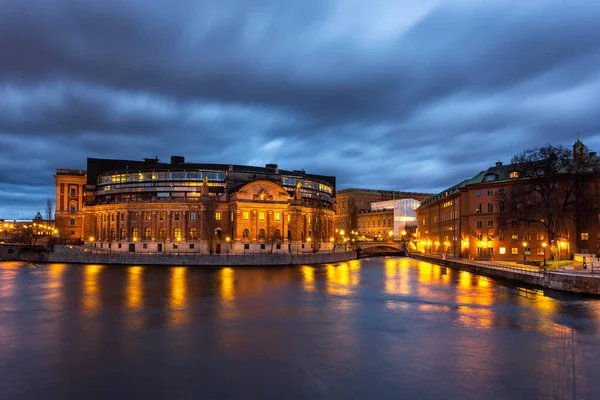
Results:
[479, 224]
[515, 236]
[490, 207]
[73, 191]
[112, 217]
[218, 216]
[246, 246]
[261, 215]
[490, 178]
[177, 216]
[246, 215]
[479, 250]
[246, 233]
[135, 233]
[478, 192]
[162, 215]
[308, 219]
[262, 246]
[541, 251]
[261, 234]
[289, 218]
[584, 236]
[490, 192]
[278, 246]
[193, 216]
[479, 236]
[162, 233]
[277, 216]
[502, 236]
[502, 250]
[540, 236]
[193, 233]
[490, 250]
[513, 174]
[501, 206]
[175, 246]
[122, 234]
[490, 224]
[73, 209]
[72, 222]
[515, 250]
[148, 233]
[191, 246]
[177, 233]
[145, 246]
[478, 208]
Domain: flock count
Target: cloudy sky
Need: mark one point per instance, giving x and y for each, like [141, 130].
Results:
[391, 94]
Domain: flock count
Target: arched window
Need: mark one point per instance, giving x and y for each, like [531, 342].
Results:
[148, 233]
[246, 233]
[162, 233]
[112, 234]
[302, 236]
[261, 234]
[123, 234]
[277, 234]
[193, 233]
[135, 233]
[177, 233]
[289, 235]
[310, 234]
[218, 233]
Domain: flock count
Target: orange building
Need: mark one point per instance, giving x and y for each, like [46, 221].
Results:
[149, 206]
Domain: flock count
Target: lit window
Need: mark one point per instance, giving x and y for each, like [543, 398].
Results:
[177, 216]
[193, 216]
[541, 251]
[515, 250]
[513, 174]
[177, 233]
[261, 216]
[218, 215]
[502, 250]
[515, 236]
[478, 208]
[162, 215]
[584, 236]
[246, 215]
[277, 216]
[147, 215]
[289, 218]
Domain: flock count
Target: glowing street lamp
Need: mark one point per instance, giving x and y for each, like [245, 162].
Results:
[544, 246]
[228, 239]
[390, 234]
[524, 252]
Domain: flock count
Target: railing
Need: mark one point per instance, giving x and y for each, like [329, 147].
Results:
[486, 264]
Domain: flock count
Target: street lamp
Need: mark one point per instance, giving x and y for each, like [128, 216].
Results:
[544, 246]
[390, 234]
[524, 252]
[228, 239]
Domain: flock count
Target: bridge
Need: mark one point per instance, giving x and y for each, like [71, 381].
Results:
[379, 248]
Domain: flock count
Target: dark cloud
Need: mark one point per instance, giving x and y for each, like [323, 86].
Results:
[385, 94]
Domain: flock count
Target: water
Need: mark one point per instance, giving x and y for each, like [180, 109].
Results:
[384, 328]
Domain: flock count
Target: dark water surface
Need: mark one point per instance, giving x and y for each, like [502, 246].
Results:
[384, 328]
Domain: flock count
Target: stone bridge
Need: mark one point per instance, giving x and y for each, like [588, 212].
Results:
[382, 248]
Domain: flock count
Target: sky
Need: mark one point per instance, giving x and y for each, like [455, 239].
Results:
[383, 94]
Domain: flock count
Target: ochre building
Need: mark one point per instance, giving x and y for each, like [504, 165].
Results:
[151, 206]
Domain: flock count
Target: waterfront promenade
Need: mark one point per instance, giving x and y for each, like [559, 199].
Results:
[568, 279]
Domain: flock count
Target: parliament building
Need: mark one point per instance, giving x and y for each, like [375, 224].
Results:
[152, 207]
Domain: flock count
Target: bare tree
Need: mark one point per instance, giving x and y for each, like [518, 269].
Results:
[49, 209]
[551, 189]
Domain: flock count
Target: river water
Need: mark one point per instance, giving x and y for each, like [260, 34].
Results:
[380, 328]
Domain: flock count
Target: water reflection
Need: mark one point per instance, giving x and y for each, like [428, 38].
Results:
[373, 328]
[91, 294]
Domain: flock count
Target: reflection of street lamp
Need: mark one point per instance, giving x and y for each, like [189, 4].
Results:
[544, 246]
[524, 252]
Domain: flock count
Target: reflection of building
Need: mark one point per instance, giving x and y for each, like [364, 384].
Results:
[351, 202]
[464, 219]
[388, 216]
[150, 206]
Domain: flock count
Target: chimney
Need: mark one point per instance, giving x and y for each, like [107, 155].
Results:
[177, 159]
[498, 163]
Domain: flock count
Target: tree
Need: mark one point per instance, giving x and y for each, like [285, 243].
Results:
[551, 189]
[49, 208]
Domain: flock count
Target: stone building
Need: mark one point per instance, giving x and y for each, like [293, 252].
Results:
[150, 206]
[351, 202]
[388, 219]
[464, 220]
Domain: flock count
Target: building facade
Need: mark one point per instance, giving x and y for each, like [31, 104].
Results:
[350, 203]
[466, 220]
[388, 219]
[150, 206]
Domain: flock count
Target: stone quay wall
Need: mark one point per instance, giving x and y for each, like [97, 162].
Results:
[562, 281]
[75, 256]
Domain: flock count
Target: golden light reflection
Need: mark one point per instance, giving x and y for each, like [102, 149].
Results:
[178, 288]
[308, 276]
[341, 278]
[227, 284]
[397, 277]
[474, 298]
[91, 274]
[134, 287]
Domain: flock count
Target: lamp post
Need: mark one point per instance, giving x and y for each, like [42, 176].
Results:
[524, 252]
[178, 243]
[332, 240]
[390, 234]
[227, 239]
[544, 246]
